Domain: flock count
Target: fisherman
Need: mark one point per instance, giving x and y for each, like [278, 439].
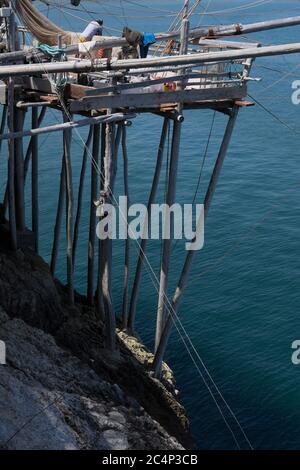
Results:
[94, 28]
[93, 31]
[138, 43]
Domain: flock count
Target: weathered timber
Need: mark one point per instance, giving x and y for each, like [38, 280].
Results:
[67, 125]
[172, 307]
[11, 169]
[80, 191]
[34, 180]
[92, 226]
[147, 100]
[127, 239]
[182, 60]
[143, 243]
[19, 117]
[69, 209]
[108, 190]
[58, 219]
[166, 251]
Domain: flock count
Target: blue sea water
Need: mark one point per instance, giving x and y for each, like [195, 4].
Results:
[242, 307]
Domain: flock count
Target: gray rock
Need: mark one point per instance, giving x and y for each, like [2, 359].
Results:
[51, 400]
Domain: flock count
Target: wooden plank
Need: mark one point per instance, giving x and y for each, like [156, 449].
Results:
[244, 103]
[136, 100]
[75, 91]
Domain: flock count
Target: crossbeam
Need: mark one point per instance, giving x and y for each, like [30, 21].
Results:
[67, 125]
[185, 59]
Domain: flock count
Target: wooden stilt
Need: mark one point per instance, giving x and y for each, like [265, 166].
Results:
[11, 169]
[143, 244]
[19, 116]
[92, 230]
[106, 258]
[59, 214]
[118, 136]
[34, 181]
[69, 198]
[80, 191]
[100, 300]
[29, 149]
[127, 241]
[27, 157]
[170, 198]
[172, 311]
[3, 122]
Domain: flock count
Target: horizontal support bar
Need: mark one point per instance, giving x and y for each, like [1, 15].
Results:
[67, 125]
[186, 60]
[33, 104]
[136, 100]
[147, 83]
[227, 44]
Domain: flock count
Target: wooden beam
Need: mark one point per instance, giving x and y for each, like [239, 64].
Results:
[92, 227]
[173, 307]
[11, 168]
[108, 190]
[19, 117]
[67, 125]
[69, 209]
[34, 181]
[80, 191]
[137, 100]
[86, 65]
[143, 243]
[165, 263]
[127, 239]
[59, 214]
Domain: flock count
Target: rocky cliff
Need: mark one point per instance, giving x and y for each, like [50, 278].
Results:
[60, 388]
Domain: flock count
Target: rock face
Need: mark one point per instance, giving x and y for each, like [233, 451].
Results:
[51, 400]
[60, 389]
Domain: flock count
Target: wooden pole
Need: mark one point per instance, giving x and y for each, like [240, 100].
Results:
[170, 199]
[143, 244]
[3, 122]
[181, 60]
[11, 169]
[172, 311]
[92, 229]
[26, 159]
[58, 220]
[101, 258]
[109, 174]
[127, 240]
[34, 181]
[19, 171]
[29, 149]
[80, 192]
[69, 208]
[67, 125]
[100, 300]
